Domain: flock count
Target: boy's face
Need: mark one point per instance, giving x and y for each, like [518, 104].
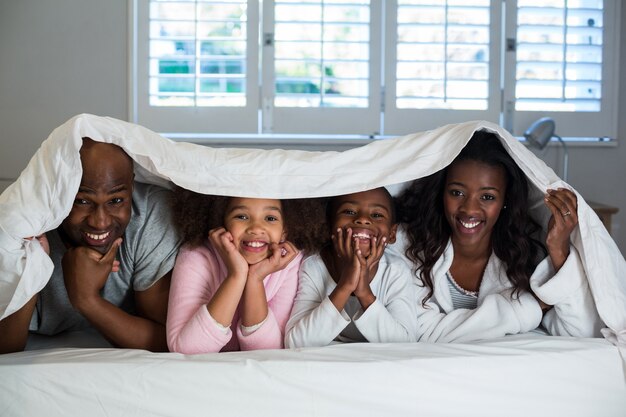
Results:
[369, 214]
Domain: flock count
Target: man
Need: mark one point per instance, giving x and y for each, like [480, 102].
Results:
[112, 256]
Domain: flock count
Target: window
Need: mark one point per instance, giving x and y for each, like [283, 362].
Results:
[373, 67]
[196, 66]
[321, 54]
[564, 66]
[443, 55]
[443, 64]
[321, 67]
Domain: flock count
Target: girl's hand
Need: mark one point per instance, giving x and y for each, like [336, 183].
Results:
[563, 205]
[223, 241]
[280, 256]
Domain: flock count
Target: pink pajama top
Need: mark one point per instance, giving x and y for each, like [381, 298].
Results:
[197, 275]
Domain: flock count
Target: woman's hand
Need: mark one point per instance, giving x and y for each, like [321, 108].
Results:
[223, 241]
[280, 255]
[563, 205]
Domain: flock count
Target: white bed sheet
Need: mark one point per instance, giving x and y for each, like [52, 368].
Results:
[522, 375]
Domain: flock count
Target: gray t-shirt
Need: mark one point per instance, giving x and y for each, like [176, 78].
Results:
[148, 251]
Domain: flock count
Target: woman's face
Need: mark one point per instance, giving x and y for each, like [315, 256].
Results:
[473, 197]
[254, 223]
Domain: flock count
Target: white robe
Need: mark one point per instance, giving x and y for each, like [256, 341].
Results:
[315, 321]
[498, 313]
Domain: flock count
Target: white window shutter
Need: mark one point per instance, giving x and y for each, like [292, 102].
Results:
[196, 68]
[442, 63]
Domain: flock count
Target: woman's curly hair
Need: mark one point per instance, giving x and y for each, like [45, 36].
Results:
[195, 214]
[421, 212]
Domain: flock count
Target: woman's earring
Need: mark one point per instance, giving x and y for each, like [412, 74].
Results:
[503, 207]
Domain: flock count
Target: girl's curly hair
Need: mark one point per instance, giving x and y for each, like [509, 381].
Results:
[420, 211]
[195, 214]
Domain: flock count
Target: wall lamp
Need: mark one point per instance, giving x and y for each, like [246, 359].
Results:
[539, 134]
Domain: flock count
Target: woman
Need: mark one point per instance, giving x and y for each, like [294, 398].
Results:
[477, 256]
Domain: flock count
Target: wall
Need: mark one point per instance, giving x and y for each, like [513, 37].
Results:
[57, 59]
[66, 57]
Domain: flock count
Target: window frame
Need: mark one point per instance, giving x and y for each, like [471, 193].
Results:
[381, 118]
[578, 123]
[191, 119]
[401, 121]
[316, 120]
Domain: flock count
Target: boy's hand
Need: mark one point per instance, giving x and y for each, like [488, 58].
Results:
[280, 256]
[369, 267]
[350, 266]
[377, 248]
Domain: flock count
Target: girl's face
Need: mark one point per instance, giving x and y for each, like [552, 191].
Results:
[473, 197]
[254, 223]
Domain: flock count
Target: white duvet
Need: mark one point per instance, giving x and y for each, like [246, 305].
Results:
[43, 194]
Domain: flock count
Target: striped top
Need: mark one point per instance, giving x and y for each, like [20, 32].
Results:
[461, 298]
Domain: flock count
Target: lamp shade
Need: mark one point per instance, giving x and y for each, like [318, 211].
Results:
[539, 133]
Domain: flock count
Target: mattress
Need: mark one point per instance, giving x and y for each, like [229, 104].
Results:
[522, 375]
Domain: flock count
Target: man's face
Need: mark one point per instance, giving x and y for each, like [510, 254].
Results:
[102, 206]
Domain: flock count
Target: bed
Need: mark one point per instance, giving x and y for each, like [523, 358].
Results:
[521, 375]
[78, 374]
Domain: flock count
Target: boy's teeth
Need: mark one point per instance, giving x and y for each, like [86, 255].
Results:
[361, 236]
[97, 237]
[469, 225]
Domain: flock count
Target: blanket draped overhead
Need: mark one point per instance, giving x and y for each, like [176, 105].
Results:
[43, 194]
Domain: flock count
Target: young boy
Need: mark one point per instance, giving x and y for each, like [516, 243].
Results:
[353, 291]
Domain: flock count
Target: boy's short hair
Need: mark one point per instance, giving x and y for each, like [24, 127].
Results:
[330, 206]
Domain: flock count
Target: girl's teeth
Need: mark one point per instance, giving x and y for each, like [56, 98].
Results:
[255, 244]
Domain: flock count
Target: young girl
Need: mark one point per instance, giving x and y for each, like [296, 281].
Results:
[353, 291]
[234, 290]
[473, 246]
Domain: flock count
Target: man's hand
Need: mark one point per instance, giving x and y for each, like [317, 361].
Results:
[85, 272]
